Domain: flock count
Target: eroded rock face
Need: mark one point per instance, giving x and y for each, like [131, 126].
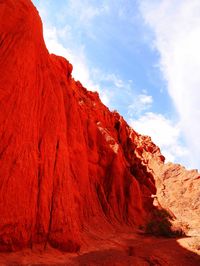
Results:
[69, 166]
[67, 162]
[178, 190]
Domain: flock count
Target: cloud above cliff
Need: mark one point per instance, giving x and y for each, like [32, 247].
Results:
[176, 28]
[63, 32]
[142, 57]
[54, 35]
[164, 132]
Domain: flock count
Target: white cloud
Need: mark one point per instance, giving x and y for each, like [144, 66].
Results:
[55, 36]
[114, 79]
[77, 58]
[145, 99]
[93, 79]
[164, 133]
[141, 103]
[81, 70]
[176, 25]
[86, 11]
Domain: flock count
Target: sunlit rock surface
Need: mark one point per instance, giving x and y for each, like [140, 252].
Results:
[68, 164]
[73, 175]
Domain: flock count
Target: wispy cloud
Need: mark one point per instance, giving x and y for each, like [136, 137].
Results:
[115, 92]
[85, 11]
[165, 133]
[114, 79]
[65, 38]
[59, 38]
[176, 27]
[77, 57]
[55, 36]
[141, 103]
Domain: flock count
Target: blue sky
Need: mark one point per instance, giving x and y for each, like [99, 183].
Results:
[140, 57]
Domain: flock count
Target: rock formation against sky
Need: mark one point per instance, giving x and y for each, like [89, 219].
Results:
[69, 167]
[67, 162]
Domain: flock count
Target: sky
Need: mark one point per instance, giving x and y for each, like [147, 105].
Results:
[143, 58]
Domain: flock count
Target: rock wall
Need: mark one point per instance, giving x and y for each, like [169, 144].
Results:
[66, 162]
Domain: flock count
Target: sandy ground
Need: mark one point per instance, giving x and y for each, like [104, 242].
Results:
[115, 250]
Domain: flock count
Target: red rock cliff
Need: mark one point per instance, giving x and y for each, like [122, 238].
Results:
[66, 162]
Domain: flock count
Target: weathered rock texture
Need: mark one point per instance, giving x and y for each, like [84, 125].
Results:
[68, 166]
[66, 162]
[178, 191]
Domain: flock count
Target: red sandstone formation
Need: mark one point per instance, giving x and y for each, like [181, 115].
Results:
[69, 167]
[178, 190]
[68, 164]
